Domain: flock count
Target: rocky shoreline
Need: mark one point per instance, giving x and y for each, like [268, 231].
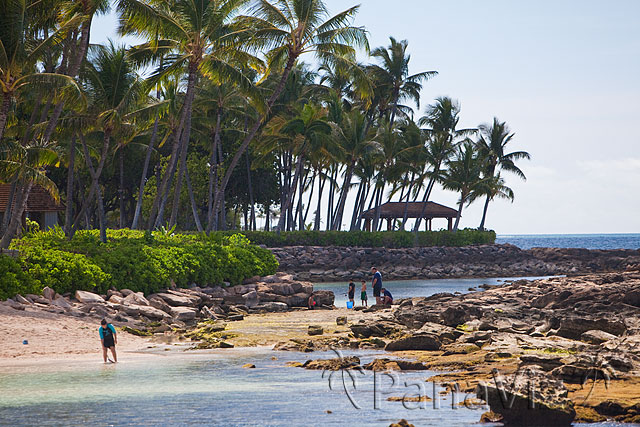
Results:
[325, 264]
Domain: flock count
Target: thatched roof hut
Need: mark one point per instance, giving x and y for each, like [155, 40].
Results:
[396, 210]
[41, 207]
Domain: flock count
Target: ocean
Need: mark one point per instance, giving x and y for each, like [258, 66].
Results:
[587, 241]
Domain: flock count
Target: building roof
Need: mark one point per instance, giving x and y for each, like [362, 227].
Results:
[39, 200]
[396, 210]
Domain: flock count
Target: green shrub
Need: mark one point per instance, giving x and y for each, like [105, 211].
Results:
[140, 261]
[14, 280]
[387, 239]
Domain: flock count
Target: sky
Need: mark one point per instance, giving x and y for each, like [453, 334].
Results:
[564, 75]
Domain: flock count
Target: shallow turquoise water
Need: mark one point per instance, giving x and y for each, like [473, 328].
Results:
[213, 389]
[587, 241]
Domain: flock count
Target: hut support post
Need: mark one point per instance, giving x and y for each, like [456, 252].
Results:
[450, 224]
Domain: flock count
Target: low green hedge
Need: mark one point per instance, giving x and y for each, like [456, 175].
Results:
[387, 239]
[146, 262]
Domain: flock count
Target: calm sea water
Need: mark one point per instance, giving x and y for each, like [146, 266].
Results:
[588, 241]
[412, 288]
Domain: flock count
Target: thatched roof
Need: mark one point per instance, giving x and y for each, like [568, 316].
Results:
[39, 200]
[396, 210]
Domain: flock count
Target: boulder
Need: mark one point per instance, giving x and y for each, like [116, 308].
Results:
[115, 299]
[426, 342]
[183, 314]
[596, 337]
[61, 302]
[126, 292]
[160, 304]
[251, 299]
[341, 320]
[573, 327]
[394, 365]
[282, 289]
[22, 300]
[272, 307]
[374, 329]
[48, 293]
[152, 312]
[532, 398]
[249, 366]
[112, 292]
[89, 297]
[324, 297]
[176, 300]
[401, 423]
[135, 298]
[333, 364]
[315, 330]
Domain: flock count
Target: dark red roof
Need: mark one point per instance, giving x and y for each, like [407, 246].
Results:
[39, 200]
[396, 210]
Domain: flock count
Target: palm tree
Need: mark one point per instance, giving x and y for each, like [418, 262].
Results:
[491, 146]
[493, 187]
[442, 138]
[114, 88]
[392, 75]
[196, 38]
[464, 175]
[287, 29]
[353, 143]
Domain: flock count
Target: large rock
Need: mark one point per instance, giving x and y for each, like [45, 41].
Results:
[596, 337]
[426, 342]
[183, 314]
[135, 298]
[324, 297]
[272, 307]
[574, 326]
[333, 364]
[160, 304]
[152, 312]
[394, 365]
[176, 300]
[48, 293]
[61, 302]
[251, 299]
[89, 297]
[532, 398]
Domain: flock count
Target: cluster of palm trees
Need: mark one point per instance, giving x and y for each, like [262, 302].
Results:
[215, 117]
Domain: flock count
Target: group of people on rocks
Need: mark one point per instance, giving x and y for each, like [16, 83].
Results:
[382, 295]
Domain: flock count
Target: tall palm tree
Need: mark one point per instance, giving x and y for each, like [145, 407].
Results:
[443, 136]
[353, 143]
[493, 187]
[195, 37]
[491, 145]
[392, 75]
[284, 30]
[464, 175]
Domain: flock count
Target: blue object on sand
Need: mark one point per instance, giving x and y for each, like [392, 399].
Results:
[25, 342]
[349, 304]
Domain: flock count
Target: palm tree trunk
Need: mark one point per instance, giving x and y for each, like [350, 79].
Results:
[323, 181]
[252, 133]
[157, 209]
[289, 198]
[250, 190]
[460, 206]
[16, 216]
[484, 212]
[337, 222]
[427, 193]
[121, 189]
[194, 208]
[188, 103]
[406, 205]
[313, 187]
[376, 218]
[143, 179]
[68, 215]
[4, 111]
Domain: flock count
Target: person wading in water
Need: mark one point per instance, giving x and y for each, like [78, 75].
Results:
[109, 340]
[377, 284]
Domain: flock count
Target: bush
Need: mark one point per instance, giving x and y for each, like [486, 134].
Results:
[387, 239]
[140, 261]
[14, 280]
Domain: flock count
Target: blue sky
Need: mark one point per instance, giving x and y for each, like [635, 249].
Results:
[565, 76]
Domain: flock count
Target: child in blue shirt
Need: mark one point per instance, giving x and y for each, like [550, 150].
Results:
[109, 340]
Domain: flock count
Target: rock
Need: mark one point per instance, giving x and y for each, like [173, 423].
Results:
[324, 297]
[126, 292]
[315, 330]
[22, 300]
[89, 297]
[251, 299]
[426, 342]
[235, 317]
[341, 320]
[547, 362]
[48, 293]
[61, 302]
[272, 306]
[112, 292]
[152, 312]
[574, 326]
[304, 346]
[160, 304]
[176, 300]
[135, 298]
[578, 373]
[13, 304]
[183, 314]
[115, 299]
[531, 399]
[394, 365]
[374, 329]
[253, 279]
[249, 366]
[401, 423]
[596, 337]
[336, 364]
